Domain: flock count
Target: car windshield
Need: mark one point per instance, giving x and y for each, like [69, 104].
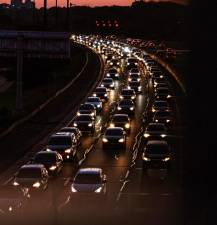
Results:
[127, 92]
[120, 119]
[113, 71]
[156, 127]
[61, 140]
[160, 104]
[134, 70]
[134, 75]
[70, 130]
[107, 81]
[162, 90]
[132, 60]
[134, 84]
[157, 149]
[87, 178]
[29, 173]
[84, 118]
[103, 90]
[114, 132]
[126, 102]
[45, 157]
[86, 107]
[93, 100]
[163, 113]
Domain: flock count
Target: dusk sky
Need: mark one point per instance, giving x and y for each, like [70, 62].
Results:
[39, 3]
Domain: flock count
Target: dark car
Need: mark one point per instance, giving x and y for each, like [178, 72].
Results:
[85, 123]
[126, 106]
[160, 85]
[115, 62]
[160, 105]
[134, 71]
[87, 108]
[102, 93]
[52, 161]
[89, 181]
[32, 176]
[13, 200]
[128, 94]
[75, 131]
[121, 120]
[165, 117]
[162, 93]
[96, 102]
[64, 143]
[134, 77]
[156, 131]
[114, 138]
[135, 85]
[112, 73]
[156, 154]
[108, 83]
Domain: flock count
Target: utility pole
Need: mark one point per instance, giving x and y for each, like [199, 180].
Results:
[56, 13]
[19, 90]
[67, 15]
[45, 14]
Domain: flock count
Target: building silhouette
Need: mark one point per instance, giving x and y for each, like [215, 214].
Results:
[19, 4]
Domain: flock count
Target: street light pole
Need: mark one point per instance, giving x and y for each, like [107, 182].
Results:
[45, 14]
[56, 13]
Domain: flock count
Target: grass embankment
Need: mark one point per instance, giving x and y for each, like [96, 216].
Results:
[41, 80]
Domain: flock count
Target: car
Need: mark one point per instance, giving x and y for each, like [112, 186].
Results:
[156, 131]
[75, 131]
[52, 161]
[32, 176]
[157, 80]
[160, 105]
[134, 77]
[126, 106]
[89, 181]
[85, 123]
[102, 93]
[127, 93]
[121, 120]
[165, 117]
[96, 102]
[115, 62]
[108, 83]
[113, 73]
[64, 143]
[134, 71]
[132, 61]
[158, 74]
[114, 138]
[156, 153]
[162, 93]
[13, 200]
[135, 85]
[160, 85]
[87, 108]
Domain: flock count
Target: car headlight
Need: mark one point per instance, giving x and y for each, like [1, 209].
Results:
[139, 88]
[105, 140]
[75, 124]
[121, 140]
[102, 85]
[73, 189]
[10, 208]
[166, 159]
[92, 114]
[169, 96]
[127, 125]
[94, 95]
[67, 151]
[131, 108]
[129, 79]
[90, 125]
[52, 168]
[111, 63]
[163, 135]
[146, 159]
[108, 75]
[167, 121]
[116, 75]
[153, 110]
[15, 183]
[105, 95]
[119, 108]
[161, 76]
[78, 113]
[118, 63]
[111, 85]
[98, 190]
[121, 97]
[36, 185]
[132, 97]
[156, 121]
[112, 125]
[146, 135]
[98, 106]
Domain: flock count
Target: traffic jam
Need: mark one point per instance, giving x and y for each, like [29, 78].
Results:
[127, 120]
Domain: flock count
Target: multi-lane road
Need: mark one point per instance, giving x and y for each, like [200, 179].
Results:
[134, 195]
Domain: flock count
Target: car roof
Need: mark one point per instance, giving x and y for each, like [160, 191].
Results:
[156, 124]
[89, 171]
[115, 128]
[117, 115]
[62, 134]
[157, 142]
[32, 166]
[47, 152]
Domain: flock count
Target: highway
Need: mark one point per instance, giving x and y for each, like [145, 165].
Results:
[134, 196]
